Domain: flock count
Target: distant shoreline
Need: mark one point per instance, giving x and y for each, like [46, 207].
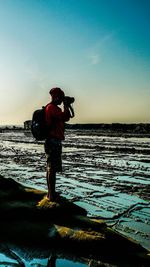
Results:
[86, 125]
[111, 126]
[100, 129]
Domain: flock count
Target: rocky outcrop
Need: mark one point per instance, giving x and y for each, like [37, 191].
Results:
[28, 217]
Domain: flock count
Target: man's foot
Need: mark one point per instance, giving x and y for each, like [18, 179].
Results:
[53, 198]
[50, 198]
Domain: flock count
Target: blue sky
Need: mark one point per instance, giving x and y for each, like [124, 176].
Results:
[96, 50]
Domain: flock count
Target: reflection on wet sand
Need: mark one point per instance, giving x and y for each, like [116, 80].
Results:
[106, 175]
[9, 258]
[52, 262]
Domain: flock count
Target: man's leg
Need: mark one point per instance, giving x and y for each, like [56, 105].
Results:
[51, 182]
[53, 150]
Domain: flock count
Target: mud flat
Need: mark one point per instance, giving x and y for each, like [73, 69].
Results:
[108, 176]
[28, 218]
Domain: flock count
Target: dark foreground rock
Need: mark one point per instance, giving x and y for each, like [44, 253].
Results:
[29, 219]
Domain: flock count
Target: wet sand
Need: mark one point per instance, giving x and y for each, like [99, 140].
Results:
[109, 176]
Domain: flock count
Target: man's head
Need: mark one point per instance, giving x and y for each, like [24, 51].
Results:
[57, 95]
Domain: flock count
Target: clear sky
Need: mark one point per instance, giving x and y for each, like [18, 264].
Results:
[96, 50]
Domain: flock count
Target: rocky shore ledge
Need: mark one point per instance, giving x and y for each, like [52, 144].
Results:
[28, 218]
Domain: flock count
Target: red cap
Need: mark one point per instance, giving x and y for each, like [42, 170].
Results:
[56, 92]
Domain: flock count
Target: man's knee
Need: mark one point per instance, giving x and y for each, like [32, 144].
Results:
[48, 168]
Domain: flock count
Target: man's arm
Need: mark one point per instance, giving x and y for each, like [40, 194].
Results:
[67, 114]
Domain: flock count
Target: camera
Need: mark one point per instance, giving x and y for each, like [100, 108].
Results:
[68, 100]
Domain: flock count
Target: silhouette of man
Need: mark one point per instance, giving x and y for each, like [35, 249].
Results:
[55, 119]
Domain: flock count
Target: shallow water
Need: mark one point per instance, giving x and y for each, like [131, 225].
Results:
[35, 262]
[109, 176]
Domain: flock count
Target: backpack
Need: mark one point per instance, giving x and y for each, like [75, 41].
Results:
[39, 127]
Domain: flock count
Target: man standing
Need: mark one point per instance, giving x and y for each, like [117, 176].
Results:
[55, 119]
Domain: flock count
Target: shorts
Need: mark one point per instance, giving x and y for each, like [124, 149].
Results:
[53, 150]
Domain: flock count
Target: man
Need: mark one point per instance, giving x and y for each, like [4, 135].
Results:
[55, 119]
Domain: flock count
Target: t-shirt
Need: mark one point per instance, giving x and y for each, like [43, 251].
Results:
[56, 119]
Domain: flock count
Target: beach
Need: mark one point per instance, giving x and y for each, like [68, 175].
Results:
[107, 175]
